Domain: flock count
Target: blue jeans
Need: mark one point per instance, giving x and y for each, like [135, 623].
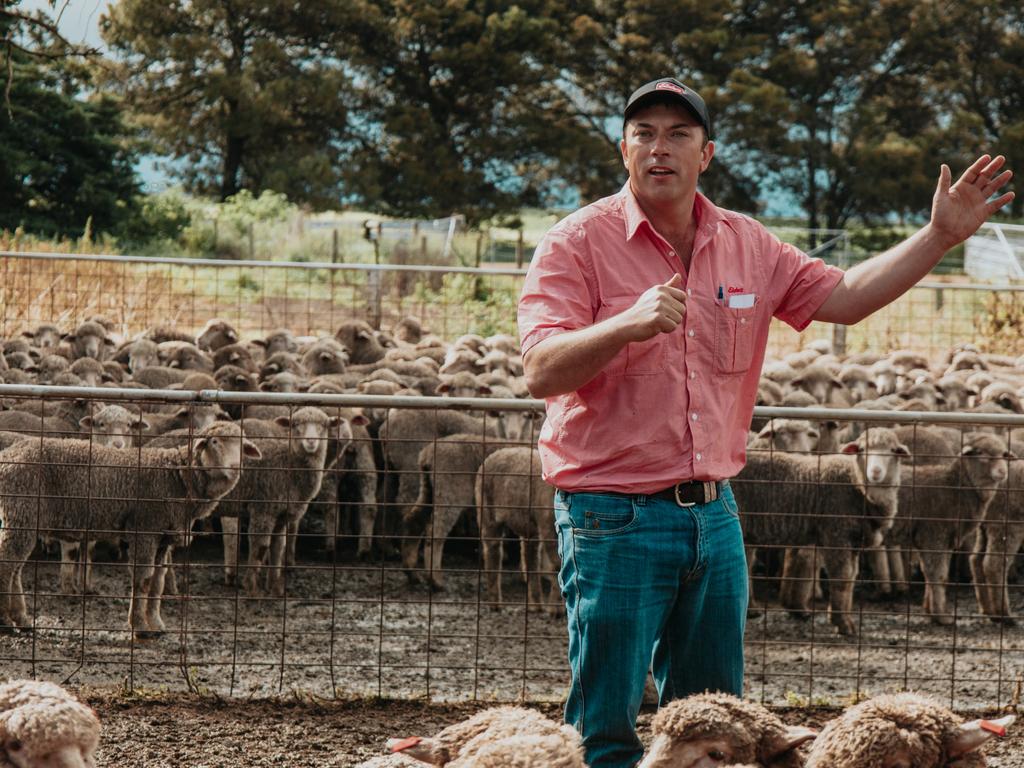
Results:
[647, 585]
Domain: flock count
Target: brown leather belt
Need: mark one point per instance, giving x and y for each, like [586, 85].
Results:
[690, 494]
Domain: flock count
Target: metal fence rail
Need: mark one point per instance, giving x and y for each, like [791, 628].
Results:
[370, 623]
[136, 293]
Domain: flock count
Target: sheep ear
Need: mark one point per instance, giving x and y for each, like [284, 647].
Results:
[242, 380]
[85, 422]
[969, 736]
[851, 448]
[230, 333]
[262, 343]
[283, 421]
[791, 738]
[359, 420]
[140, 423]
[483, 389]
[266, 386]
[831, 424]
[814, 433]
[901, 450]
[109, 342]
[250, 451]
[28, 334]
[837, 383]
[443, 387]
[173, 364]
[235, 357]
[969, 450]
[768, 430]
[221, 415]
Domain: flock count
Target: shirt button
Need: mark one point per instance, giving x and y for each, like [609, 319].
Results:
[672, 254]
[693, 416]
[698, 457]
[693, 374]
[690, 332]
[743, 320]
[689, 291]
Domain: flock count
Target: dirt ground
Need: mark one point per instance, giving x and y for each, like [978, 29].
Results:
[147, 732]
[314, 679]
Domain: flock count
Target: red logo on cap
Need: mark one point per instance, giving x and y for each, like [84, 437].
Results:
[669, 87]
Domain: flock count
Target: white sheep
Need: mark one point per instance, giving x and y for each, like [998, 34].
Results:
[903, 730]
[709, 730]
[502, 737]
[43, 726]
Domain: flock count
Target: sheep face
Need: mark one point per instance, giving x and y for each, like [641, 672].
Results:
[143, 354]
[66, 756]
[702, 753]
[310, 429]
[216, 334]
[219, 451]
[984, 460]
[113, 426]
[44, 337]
[791, 435]
[90, 340]
[878, 453]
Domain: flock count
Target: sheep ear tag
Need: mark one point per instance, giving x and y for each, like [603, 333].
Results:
[973, 734]
[400, 745]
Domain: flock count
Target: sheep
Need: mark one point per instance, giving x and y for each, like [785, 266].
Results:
[286, 381]
[281, 362]
[49, 366]
[1002, 394]
[160, 377]
[358, 339]
[447, 479]
[280, 340]
[955, 393]
[275, 490]
[89, 370]
[509, 491]
[188, 357]
[837, 503]
[233, 355]
[462, 384]
[150, 496]
[999, 539]
[822, 384]
[21, 361]
[32, 417]
[942, 505]
[44, 726]
[792, 435]
[409, 331]
[884, 375]
[215, 334]
[231, 378]
[45, 336]
[90, 339]
[403, 436]
[716, 729]
[164, 333]
[196, 381]
[858, 382]
[143, 353]
[501, 737]
[902, 730]
[195, 416]
[325, 356]
[352, 481]
[459, 361]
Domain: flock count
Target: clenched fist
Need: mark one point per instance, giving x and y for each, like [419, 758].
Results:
[658, 310]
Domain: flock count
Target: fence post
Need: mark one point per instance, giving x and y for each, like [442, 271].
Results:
[839, 330]
[519, 250]
[252, 246]
[479, 248]
[334, 246]
[423, 249]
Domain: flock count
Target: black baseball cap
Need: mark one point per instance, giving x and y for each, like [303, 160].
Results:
[668, 89]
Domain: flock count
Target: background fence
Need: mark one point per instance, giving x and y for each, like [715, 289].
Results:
[352, 627]
[259, 296]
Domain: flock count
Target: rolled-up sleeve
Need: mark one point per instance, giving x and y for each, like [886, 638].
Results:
[558, 294]
[799, 283]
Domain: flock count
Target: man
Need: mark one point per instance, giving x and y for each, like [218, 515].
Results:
[643, 322]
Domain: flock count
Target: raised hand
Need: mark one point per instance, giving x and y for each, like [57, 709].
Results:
[659, 309]
[958, 211]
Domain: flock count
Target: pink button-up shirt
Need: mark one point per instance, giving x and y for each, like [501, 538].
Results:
[678, 406]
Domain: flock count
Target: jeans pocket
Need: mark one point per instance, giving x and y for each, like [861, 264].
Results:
[729, 501]
[601, 514]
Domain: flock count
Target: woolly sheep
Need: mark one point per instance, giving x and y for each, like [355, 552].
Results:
[942, 505]
[89, 370]
[821, 384]
[715, 729]
[501, 737]
[462, 384]
[142, 353]
[49, 366]
[275, 490]
[358, 339]
[89, 339]
[838, 503]
[44, 726]
[160, 377]
[45, 336]
[902, 730]
[999, 540]
[351, 481]
[215, 334]
[324, 357]
[281, 362]
[409, 330]
[234, 355]
[188, 357]
[447, 479]
[509, 493]
[281, 340]
[42, 482]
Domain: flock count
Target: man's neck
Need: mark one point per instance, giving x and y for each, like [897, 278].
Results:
[676, 222]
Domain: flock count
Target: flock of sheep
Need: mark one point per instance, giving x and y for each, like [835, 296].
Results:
[80, 472]
[829, 492]
[44, 726]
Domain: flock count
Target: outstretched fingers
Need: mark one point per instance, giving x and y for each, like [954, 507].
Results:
[997, 183]
[999, 202]
[974, 170]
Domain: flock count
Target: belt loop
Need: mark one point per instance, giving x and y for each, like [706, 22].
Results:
[710, 491]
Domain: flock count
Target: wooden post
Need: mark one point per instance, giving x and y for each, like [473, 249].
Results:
[423, 249]
[479, 248]
[334, 246]
[252, 244]
[215, 237]
[519, 250]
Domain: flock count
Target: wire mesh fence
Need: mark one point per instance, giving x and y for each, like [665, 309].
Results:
[137, 293]
[402, 547]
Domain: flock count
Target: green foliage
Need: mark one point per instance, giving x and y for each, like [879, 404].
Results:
[66, 155]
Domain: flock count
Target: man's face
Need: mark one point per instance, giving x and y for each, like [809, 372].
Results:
[664, 151]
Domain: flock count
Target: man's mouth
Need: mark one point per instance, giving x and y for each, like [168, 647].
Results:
[661, 171]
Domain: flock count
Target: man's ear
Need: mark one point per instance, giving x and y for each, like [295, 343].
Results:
[622, 149]
[706, 153]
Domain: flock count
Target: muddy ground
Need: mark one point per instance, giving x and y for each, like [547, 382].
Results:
[146, 731]
[352, 636]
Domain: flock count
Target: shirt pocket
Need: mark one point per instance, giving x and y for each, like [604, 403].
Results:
[637, 358]
[734, 337]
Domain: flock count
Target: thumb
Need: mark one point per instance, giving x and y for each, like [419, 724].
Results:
[944, 178]
[676, 281]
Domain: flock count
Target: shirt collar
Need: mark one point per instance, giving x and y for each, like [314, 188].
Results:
[707, 213]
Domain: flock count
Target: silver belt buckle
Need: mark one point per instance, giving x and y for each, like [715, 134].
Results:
[679, 501]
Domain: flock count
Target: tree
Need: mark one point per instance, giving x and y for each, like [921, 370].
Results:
[240, 93]
[65, 157]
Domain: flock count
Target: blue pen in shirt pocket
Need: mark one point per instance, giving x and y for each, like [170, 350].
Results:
[721, 294]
